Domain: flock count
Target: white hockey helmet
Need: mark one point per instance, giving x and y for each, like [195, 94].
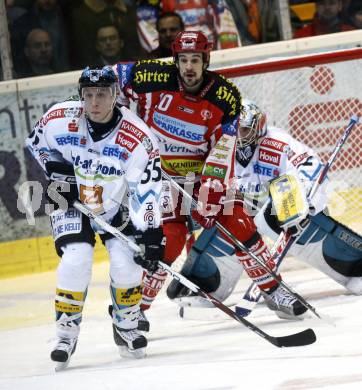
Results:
[252, 124]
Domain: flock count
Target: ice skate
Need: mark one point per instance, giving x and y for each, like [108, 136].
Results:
[284, 304]
[63, 351]
[130, 342]
[143, 323]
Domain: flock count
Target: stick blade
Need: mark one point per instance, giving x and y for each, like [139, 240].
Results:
[306, 337]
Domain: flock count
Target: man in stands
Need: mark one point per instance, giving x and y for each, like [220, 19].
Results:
[211, 17]
[326, 20]
[168, 25]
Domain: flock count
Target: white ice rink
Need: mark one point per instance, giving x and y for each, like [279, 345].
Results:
[204, 351]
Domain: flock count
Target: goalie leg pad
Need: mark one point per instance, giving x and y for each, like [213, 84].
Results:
[326, 245]
[342, 248]
[209, 266]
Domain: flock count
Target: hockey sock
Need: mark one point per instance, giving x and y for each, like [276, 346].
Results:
[262, 278]
[152, 284]
[126, 306]
[68, 312]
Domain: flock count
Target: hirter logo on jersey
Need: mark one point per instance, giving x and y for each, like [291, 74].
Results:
[125, 141]
[274, 144]
[269, 157]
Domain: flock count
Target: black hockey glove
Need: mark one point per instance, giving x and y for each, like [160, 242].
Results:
[62, 184]
[152, 243]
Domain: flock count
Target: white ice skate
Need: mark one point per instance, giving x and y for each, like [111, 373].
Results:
[63, 351]
[131, 342]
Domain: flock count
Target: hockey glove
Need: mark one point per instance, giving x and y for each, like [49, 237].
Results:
[209, 203]
[152, 243]
[62, 188]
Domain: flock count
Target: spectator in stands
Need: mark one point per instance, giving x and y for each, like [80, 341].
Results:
[356, 15]
[211, 17]
[38, 54]
[256, 20]
[109, 45]
[168, 25]
[85, 20]
[13, 11]
[327, 20]
[45, 15]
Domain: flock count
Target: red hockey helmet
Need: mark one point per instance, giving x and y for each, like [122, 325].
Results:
[191, 42]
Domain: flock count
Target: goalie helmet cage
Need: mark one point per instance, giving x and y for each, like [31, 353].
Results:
[313, 97]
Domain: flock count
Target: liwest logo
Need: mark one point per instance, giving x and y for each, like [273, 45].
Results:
[269, 157]
[94, 168]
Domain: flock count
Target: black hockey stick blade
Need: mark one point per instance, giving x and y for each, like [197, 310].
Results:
[306, 337]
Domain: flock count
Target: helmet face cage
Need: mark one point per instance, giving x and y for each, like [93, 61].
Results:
[104, 77]
[192, 42]
[252, 125]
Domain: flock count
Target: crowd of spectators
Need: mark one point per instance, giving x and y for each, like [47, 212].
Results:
[50, 36]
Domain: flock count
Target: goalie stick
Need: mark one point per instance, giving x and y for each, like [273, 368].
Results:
[304, 337]
[242, 247]
[285, 239]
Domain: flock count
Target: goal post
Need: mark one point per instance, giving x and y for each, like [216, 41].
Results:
[313, 97]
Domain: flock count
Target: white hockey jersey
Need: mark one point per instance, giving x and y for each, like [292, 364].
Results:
[122, 168]
[278, 153]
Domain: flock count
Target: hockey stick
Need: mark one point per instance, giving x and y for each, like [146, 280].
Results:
[252, 294]
[304, 337]
[243, 248]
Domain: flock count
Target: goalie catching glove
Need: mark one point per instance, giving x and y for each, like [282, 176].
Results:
[152, 243]
[210, 205]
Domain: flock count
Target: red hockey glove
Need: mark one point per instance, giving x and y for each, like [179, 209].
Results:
[209, 203]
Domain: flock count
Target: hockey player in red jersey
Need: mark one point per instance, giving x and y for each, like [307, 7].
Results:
[194, 114]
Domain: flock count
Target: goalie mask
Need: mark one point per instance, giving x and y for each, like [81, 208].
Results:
[251, 127]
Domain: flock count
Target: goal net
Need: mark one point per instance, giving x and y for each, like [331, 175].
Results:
[313, 97]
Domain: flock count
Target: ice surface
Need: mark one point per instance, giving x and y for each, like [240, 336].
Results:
[206, 350]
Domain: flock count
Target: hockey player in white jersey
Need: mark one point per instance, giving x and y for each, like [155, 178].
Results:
[107, 158]
[265, 153]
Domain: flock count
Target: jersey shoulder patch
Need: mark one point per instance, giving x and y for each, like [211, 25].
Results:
[153, 75]
[224, 94]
